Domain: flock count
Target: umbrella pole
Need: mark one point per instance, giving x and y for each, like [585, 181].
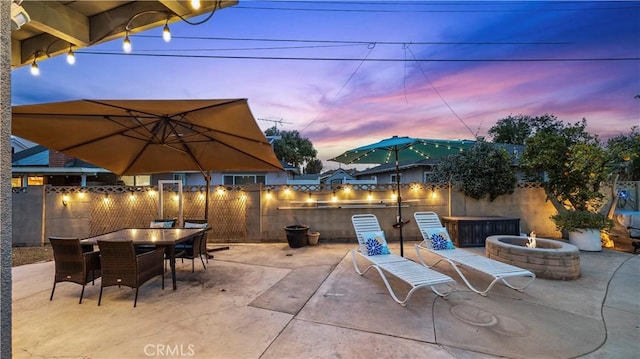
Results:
[400, 223]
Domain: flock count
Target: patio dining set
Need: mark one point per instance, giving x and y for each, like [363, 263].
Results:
[130, 256]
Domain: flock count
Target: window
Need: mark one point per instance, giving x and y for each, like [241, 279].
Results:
[180, 177]
[144, 180]
[16, 182]
[393, 178]
[243, 179]
[35, 181]
[427, 174]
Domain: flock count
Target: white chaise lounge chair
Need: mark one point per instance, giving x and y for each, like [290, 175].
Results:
[416, 275]
[430, 226]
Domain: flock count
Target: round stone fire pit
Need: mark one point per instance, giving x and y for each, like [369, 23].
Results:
[550, 259]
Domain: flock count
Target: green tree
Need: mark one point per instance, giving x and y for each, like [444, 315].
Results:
[314, 166]
[292, 148]
[624, 152]
[484, 170]
[517, 129]
[571, 165]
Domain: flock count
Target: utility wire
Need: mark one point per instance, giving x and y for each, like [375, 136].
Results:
[438, 92]
[302, 58]
[361, 42]
[371, 47]
[547, 9]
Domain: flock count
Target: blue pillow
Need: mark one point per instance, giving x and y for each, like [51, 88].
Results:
[438, 239]
[374, 244]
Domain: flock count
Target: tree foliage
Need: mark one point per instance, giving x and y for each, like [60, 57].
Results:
[624, 153]
[517, 129]
[484, 170]
[292, 148]
[314, 166]
[571, 165]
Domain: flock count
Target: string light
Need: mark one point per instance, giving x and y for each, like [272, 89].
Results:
[166, 33]
[71, 57]
[195, 4]
[35, 71]
[126, 44]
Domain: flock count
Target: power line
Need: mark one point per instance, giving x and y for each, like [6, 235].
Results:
[303, 58]
[362, 42]
[414, 10]
[438, 92]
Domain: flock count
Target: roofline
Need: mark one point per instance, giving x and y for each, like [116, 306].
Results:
[58, 170]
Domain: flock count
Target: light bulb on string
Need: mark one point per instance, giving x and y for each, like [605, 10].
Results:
[126, 45]
[166, 33]
[195, 4]
[35, 71]
[71, 57]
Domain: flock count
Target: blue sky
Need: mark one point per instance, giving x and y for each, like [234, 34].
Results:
[360, 71]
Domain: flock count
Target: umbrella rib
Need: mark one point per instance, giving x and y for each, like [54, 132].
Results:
[121, 132]
[182, 113]
[186, 149]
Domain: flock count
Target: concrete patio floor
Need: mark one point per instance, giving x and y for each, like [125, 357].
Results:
[271, 301]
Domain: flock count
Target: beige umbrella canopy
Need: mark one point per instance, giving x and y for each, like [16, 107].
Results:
[131, 137]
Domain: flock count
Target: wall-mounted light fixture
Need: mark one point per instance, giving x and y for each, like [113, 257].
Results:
[65, 200]
[268, 195]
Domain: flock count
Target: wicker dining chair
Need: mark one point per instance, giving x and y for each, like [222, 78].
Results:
[121, 266]
[192, 250]
[187, 249]
[74, 263]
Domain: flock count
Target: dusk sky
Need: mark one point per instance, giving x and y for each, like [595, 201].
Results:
[346, 74]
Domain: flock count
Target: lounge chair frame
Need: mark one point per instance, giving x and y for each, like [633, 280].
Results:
[412, 273]
[499, 271]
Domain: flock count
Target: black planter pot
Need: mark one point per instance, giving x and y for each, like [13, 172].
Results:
[296, 235]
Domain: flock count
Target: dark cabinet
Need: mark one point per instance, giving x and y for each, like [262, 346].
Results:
[473, 231]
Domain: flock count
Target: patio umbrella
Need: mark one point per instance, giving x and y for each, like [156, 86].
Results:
[407, 149]
[130, 137]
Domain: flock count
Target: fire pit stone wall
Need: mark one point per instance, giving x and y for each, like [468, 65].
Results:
[550, 259]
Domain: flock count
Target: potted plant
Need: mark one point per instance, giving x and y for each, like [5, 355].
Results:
[583, 228]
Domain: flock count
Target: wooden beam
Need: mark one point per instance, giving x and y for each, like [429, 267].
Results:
[58, 20]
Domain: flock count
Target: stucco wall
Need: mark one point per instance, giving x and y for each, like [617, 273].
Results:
[39, 213]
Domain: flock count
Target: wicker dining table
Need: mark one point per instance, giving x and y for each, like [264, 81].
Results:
[161, 237]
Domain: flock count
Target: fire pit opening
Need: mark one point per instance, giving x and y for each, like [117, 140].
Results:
[549, 258]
